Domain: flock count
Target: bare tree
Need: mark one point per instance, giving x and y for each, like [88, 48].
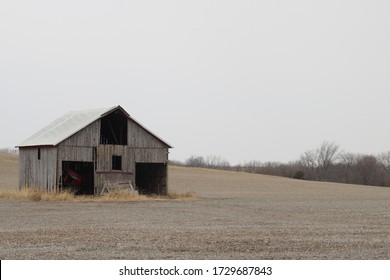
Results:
[252, 166]
[327, 154]
[216, 162]
[367, 170]
[195, 161]
[308, 161]
[347, 165]
[319, 160]
[290, 170]
[384, 161]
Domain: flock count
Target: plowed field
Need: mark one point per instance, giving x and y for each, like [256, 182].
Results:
[236, 216]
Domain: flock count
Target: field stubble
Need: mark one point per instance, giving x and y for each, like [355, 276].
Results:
[237, 216]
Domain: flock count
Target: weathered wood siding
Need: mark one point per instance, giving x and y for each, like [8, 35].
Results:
[140, 138]
[104, 172]
[152, 155]
[147, 147]
[69, 153]
[38, 173]
[105, 153]
[87, 137]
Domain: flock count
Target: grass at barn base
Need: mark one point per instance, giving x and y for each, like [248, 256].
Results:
[40, 195]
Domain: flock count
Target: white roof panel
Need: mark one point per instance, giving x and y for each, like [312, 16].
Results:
[64, 127]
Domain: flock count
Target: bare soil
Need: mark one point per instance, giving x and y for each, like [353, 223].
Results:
[237, 216]
[9, 172]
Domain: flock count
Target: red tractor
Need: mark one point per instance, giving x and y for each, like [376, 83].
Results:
[72, 179]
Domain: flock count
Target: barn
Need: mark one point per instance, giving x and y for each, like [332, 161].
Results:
[88, 150]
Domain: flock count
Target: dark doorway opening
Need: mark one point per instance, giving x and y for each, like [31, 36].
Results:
[113, 129]
[151, 178]
[78, 176]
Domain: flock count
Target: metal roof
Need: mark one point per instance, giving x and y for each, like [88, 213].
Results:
[71, 123]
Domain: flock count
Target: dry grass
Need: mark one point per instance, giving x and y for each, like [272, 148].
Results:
[128, 196]
[40, 195]
[36, 195]
[9, 184]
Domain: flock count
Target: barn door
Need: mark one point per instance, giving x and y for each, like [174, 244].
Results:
[151, 178]
[78, 176]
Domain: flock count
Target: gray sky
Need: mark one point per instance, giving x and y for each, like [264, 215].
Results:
[244, 80]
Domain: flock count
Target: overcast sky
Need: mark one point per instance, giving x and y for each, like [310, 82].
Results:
[245, 80]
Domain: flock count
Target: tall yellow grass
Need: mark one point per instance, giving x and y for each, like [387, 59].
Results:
[40, 195]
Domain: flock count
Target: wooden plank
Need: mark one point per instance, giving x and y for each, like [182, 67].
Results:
[35, 172]
[87, 137]
[140, 138]
[155, 155]
[112, 187]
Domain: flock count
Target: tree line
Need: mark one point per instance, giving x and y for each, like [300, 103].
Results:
[9, 150]
[326, 163]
